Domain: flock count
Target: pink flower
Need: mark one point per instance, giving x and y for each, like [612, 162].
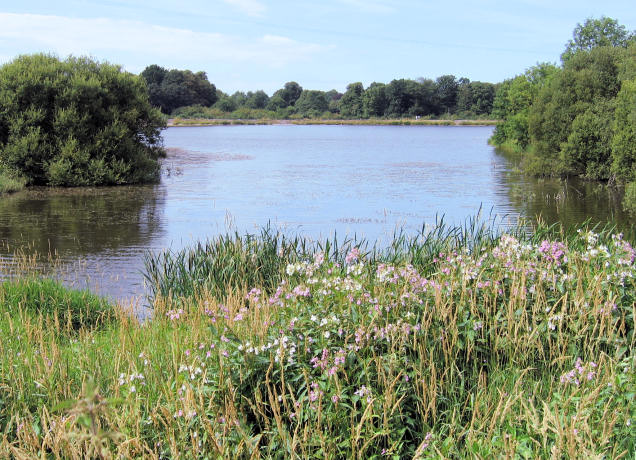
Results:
[352, 256]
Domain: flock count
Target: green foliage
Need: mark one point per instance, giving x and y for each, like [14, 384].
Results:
[10, 184]
[587, 151]
[74, 309]
[257, 100]
[512, 103]
[375, 101]
[475, 98]
[76, 122]
[228, 262]
[589, 78]
[311, 103]
[578, 119]
[400, 98]
[502, 346]
[276, 102]
[446, 90]
[629, 202]
[597, 32]
[289, 94]
[351, 103]
[623, 143]
[225, 104]
[170, 89]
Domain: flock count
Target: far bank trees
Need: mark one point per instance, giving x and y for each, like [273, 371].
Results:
[171, 89]
[191, 95]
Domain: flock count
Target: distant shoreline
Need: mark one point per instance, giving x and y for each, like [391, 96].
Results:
[192, 122]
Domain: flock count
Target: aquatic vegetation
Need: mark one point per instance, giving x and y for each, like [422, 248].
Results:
[10, 184]
[508, 345]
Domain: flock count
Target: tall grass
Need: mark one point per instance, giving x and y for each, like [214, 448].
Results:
[454, 343]
[264, 118]
[10, 184]
[72, 308]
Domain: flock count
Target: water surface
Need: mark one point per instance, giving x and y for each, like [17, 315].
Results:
[313, 180]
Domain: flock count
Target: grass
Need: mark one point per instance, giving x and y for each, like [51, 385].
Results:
[453, 343]
[73, 309]
[9, 184]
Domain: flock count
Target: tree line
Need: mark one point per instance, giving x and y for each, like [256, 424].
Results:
[184, 93]
[578, 118]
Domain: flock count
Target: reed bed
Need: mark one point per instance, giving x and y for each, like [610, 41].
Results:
[177, 121]
[454, 343]
[10, 184]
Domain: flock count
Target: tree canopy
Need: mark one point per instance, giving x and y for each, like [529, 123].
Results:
[171, 89]
[76, 122]
[184, 93]
[597, 32]
[312, 102]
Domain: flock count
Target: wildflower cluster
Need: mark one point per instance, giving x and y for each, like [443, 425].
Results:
[377, 340]
[582, 372]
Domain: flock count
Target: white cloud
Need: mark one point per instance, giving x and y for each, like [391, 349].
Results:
[101, 36]
[249, 7]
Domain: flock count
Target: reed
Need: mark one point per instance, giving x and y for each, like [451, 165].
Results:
[178, 121]
[233, 261]
[10, 184]
[452, 343]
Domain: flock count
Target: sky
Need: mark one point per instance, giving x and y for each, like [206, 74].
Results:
[247, 45]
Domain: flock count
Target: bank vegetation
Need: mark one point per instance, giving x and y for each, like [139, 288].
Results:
[454, 343]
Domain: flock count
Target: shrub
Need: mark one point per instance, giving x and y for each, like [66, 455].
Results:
[76, 122]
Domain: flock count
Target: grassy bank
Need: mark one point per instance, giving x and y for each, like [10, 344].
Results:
[369, 122]
[9, 184]
[457, 343]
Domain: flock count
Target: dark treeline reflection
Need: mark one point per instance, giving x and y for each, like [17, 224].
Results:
[567, 201]
[80, 222]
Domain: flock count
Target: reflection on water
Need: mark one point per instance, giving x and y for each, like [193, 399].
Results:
[96, 235]
[315, 180]
[568, 201]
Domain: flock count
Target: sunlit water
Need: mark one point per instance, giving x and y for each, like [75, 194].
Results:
[312, 180]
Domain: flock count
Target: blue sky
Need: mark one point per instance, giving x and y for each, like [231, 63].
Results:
[259, 44]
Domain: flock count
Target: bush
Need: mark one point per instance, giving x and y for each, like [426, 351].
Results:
[76, 122]
[199, 111]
